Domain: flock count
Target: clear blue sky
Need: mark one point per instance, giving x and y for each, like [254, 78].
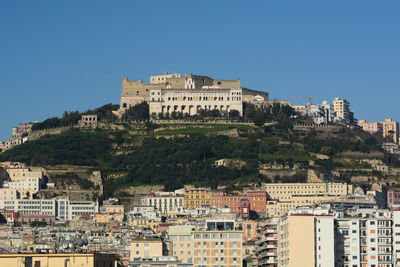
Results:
[71, 55]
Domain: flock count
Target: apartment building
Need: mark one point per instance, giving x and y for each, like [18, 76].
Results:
[391, 130]
[9, 194]
[20, 173]
[320, 113]
[371, 127]
[165, 202]
[218, 245]
[197, 198]
[393, 198]
[342, 109]
[325, 237]
[388, 128]
[283, 197]
[30, 206]
[146, 247]
[311, 246]
[267, 244]
[180, 242]
[365, 241]
[191, 101]
[22, 129]
[71, 210]
[257, 201]
[57, 259]
[157, 262]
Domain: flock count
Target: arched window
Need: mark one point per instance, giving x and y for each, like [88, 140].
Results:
[124, 105]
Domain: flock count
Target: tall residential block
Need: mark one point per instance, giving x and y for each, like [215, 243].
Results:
[342, 109]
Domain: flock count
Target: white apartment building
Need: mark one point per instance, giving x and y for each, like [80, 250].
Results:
[320, 113]
[164, 202]
[69, 210]
[191, 101]
[30, 206]
[324, 238]
[367, 241]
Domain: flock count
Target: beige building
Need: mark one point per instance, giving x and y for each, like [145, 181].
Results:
[61, 259]
[158, 262]
[391, 129]
[311, 246]
[180, 245]
[191, 101]
[217, 248]
[342, 109]
[286, 196]
[142, 247]
[134, 92]
[165, 202]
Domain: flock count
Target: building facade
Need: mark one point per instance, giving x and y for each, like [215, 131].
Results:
[197, 198]
[135, 92]
[342, 109]
[165, 202]
[192, 101]
[217, 248]
[257, 201]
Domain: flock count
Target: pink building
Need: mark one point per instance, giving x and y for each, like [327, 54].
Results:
[372, 127]
[255, 201]
[9, 194]
[393, 198]
[29, 218]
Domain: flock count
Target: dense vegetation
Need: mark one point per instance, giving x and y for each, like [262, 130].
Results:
[138, 157]
[72, 117]
[72, 147]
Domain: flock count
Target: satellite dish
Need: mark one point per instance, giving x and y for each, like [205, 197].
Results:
[65, 245]
[80, 242]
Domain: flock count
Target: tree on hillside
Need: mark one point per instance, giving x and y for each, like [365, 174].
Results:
[138, 112]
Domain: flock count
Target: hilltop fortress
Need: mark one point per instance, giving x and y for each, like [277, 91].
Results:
[187, 94]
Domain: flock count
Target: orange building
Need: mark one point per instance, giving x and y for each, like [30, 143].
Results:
[197, 198]
[257, 201]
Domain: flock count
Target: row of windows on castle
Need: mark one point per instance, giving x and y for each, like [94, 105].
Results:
[185, 93]
[204, 98]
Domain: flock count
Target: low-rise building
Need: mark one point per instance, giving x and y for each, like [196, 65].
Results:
[58, 259]
[157, 262]
[146, 247]
[165, 202]
[257, 201]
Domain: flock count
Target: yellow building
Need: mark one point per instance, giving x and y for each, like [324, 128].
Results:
[146, 248]
[197, 198]
[53, 260]
[286, 196]
[391, 129]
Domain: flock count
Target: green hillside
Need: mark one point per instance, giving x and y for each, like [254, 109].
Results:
[174, 154]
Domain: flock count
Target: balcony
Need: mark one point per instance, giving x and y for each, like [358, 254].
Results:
[270, 231]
